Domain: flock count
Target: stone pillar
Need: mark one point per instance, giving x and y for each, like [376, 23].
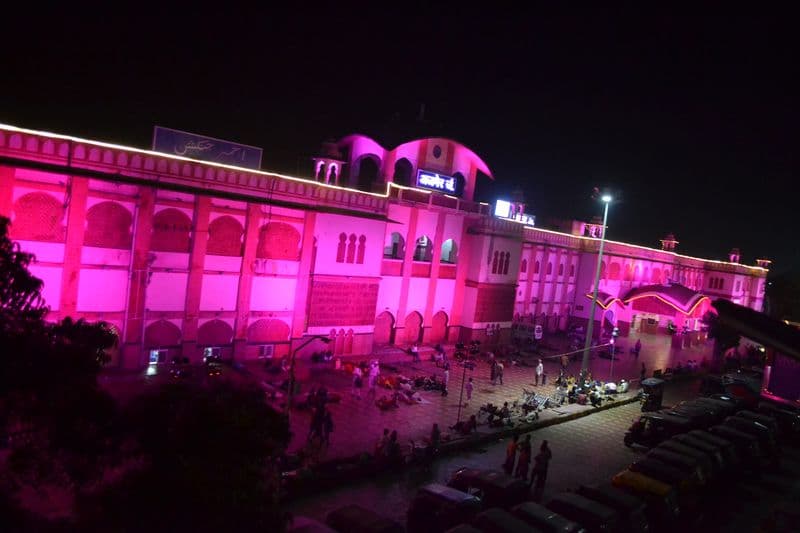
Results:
[436, 260]
[133, 344]
[408, 264]
[6, 189]
[304, 277]
[194, 284]
[464, 258]
[78, 190]
[251, 231]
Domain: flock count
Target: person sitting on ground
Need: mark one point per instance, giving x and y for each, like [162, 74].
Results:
[595, 399]
[465, 428]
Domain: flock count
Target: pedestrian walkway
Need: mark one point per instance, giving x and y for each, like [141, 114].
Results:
[358, 423]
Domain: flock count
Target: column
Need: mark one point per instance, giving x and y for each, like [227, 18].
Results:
[6, 189]
[133, 344]
[194, 285]
[408, 263]
[78, 190]
[529, 279]
[304, 277]
[464, 258]
[435, 262]
[251, 229]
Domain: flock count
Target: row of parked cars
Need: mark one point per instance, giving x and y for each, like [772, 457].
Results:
[699, 446]
[692, 448]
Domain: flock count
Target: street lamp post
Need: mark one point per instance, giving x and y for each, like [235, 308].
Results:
[290, 392]
[590, 328]
[614, 335]
[461, 396]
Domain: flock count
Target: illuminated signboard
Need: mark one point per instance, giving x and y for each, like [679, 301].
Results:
[439, 182]
[176, 142]
[502, 209]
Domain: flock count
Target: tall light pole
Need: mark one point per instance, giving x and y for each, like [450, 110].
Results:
[590, 328]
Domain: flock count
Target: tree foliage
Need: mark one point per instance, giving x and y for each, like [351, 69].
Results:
[204, 460]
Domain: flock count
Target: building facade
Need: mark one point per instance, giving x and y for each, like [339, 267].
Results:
[382, 246]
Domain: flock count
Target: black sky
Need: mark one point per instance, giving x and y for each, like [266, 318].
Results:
[691, 121]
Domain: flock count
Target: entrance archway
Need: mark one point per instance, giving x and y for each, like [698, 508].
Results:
[439, 327]
[413, 327]
[384, 327]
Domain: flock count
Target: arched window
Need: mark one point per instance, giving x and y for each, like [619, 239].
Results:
[423, 249]
[655, 277]
[449, 252]
[549, 269]
[507, 260]
[721, 283]
[171, 231]
[341, 248]
[225, 236]
[362, 244]
[494, 262]
[108, 225]
[613, 271]
[37, 217]
[402, 172]
[396, 248]
[536, 267]
[278, 240]
[523, 266]
[561, 269]
[572, 271]
[629, 272]
[351, 248]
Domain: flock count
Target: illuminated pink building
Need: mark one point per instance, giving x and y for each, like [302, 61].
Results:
[382, 246]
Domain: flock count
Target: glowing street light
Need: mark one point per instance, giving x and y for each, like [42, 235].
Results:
[606, 198]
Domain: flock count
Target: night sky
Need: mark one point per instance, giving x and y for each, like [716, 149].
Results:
[691, 122]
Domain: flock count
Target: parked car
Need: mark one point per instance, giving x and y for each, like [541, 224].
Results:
[357, 519]
[543, 518]
[594, 516]
[438, 507]
[706, 461]
[663, 505]
[632, 510]
[495, 489]
[496, 520]
[650, 429]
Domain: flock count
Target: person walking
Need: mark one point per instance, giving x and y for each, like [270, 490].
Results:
[539, 472]
[564, 362]
[468, 387]
[499, 372]
[492, 368]
[637, 348]
[445, 379]
[358, 382]
[374, 372]
[539, 372]
[524, 461]
[511, 455]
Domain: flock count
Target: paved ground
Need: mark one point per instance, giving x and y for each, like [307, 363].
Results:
[359, 423]
[585, 450]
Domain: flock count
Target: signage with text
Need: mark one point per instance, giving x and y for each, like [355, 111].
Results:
[176, 142]
[439, 182]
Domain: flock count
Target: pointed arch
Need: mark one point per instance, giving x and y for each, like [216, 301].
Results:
[523, 266]
[161, 334]
[268, 330]
[108, 225]
[494, 262]
[449, 252]
[413, 327]
[225, 235]
[38, 217]
[214, 333]
[506, 262]
[340, 249]
[362, 247]
[384, 328]
[439, 327]
[278, 240]
[172, 229]
[351, 248]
